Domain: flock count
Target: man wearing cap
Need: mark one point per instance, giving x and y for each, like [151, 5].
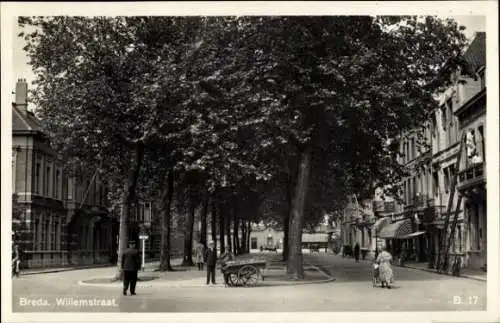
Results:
[131, 262]
[211, 260]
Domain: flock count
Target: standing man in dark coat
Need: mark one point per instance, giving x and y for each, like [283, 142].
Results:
[211, 260]
[356, 252]
[131, 262]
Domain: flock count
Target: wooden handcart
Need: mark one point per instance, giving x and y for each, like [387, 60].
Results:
[240, 273]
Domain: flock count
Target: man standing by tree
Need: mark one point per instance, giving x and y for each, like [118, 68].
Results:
[211, 258]
[131, 262]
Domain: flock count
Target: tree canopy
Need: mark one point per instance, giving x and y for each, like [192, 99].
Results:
[243, 101]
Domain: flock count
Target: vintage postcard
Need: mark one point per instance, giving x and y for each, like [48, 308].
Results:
[250, 161]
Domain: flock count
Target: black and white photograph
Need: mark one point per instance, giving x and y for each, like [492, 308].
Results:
[250, 161]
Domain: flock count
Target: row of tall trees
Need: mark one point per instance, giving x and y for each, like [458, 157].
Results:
[229, 113]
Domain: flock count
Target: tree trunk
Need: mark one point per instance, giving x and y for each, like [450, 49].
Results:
[165, 222]
[286, 220]
[228, 232]
[214, 221]
[221, 229]
[188, 234]
[249, 231]
[294, 264]
[242, 239]
[236, 240]
[286, 229]
[127, 199]
[204, 212]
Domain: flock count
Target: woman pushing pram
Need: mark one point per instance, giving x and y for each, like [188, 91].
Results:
[382, 271]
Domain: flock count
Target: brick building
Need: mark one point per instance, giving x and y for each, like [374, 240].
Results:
[63, 220]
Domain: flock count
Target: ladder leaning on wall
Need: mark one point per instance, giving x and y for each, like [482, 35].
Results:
[443, 260]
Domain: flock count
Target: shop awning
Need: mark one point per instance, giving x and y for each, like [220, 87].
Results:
[380, 223]
[396, 230]
[413, 235]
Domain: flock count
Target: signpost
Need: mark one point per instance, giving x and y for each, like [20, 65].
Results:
[143, 238]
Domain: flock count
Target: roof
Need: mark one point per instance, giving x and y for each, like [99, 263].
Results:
[24, 122]
[475, 55]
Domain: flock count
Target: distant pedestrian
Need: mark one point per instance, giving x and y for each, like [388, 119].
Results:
[357, 250]
[131, 263]
[211, 259]
[385, 270]
[198, 255]
[16, 260]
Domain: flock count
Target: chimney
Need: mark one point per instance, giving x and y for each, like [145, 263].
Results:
[22, 95]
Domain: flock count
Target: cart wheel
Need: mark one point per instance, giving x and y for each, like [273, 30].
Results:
[248, 275]
[232, 280]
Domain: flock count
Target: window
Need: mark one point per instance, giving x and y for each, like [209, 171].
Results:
[434, 124]
[443, 117]
[482, 78]
[435, 183]
[58, 234]
[253, 243]
[412, 148]
[471, 146]
[477, 227]
[56, 185]
[482, 152]
[37, 178]
[157, 245]
[269, 241]
[48, 182]
[414, 183]
[405, 155]
[45, 235]
[459, 233]
[470, 230]
[69, 189]
[53, 233]
[36, 232]
[446, 180]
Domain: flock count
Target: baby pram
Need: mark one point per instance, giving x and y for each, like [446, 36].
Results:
[375, 274]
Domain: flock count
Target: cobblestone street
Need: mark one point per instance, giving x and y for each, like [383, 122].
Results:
[184, 291]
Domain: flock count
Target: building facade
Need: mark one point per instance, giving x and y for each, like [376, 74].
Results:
[62, 220]
[357, 224]
[471, 115]
[430, 154]
[266, 237]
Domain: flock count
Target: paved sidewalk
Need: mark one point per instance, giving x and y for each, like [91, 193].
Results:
[274, 275]
[475, 274]
[464, 272]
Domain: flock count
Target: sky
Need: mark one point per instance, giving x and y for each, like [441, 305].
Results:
[23, 70]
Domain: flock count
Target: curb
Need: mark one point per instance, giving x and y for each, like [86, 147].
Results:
[49, 271]
[198, 282]
[324, 273]
[444, 274]
[58, 270]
